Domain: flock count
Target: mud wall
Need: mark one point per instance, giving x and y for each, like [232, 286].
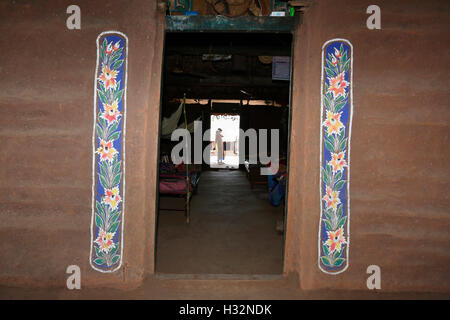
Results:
[399, 162]
[46, 104]
[399, 177]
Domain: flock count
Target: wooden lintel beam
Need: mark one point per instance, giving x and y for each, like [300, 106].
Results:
[239, 24]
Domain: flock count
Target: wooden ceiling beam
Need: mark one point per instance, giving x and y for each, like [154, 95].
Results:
[224, 81]
[258, 93]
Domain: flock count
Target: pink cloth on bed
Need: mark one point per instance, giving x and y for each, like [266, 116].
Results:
[174, 186]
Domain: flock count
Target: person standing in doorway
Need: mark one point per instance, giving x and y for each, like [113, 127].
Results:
[219, 146]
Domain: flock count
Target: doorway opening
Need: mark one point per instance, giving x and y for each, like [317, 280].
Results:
[234, 209]
[225, 138]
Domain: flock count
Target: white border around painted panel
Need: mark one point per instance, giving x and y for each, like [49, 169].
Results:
[348, 162]
[123, 148]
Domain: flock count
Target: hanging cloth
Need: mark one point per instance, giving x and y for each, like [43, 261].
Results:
[170, 124]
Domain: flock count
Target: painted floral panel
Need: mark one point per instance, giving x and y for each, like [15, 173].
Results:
[108, 192]
[336, 108]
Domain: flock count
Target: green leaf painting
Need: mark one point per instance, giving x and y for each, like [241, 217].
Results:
[336, 123]
[108, 202]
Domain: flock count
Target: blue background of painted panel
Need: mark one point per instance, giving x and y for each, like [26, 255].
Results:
[327, 154]
[117, 143]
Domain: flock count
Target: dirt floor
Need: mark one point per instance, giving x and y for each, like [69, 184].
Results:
[232, 230]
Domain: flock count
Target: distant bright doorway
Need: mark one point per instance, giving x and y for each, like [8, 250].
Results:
[225, 130]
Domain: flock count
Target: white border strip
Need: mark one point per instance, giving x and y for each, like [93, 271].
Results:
[123, 154]
[348, 153]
